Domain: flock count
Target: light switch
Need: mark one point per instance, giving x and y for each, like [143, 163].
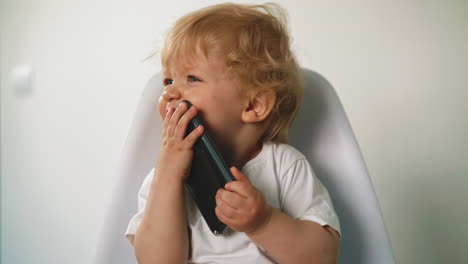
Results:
[22, 79]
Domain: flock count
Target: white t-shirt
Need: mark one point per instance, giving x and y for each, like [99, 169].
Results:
[287, 181]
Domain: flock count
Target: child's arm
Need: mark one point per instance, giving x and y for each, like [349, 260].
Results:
[162, 236]
[242, 207]
[296, 241]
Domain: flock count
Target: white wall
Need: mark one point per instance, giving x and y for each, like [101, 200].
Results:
[399, 67]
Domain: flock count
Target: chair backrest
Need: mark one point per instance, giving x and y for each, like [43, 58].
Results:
[321, 131]
[137, 158]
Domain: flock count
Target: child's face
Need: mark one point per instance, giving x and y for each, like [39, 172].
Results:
[211, 88]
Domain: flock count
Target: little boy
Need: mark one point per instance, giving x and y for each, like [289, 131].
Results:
[234, 64]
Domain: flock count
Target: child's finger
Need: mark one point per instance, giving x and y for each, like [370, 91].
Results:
[222, 217]
[194, 135]
[225, 209]
[184, 121]
[241, 188]
[175, 117]
[239, 175]
[233, 199]
[167, 119]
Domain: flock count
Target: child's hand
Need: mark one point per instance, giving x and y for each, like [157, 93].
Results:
[241, 206]
[176, 153]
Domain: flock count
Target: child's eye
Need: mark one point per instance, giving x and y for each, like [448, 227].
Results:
[168, 81]
[192, 78]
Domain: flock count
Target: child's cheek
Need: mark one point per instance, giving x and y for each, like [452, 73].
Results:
[162, 107]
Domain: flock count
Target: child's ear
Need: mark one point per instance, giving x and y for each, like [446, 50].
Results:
[258, 106]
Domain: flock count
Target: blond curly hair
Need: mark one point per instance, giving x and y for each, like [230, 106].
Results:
[256, 47]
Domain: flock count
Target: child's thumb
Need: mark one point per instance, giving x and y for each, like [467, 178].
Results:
[239, 175]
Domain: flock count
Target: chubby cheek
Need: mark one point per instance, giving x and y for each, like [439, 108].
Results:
[222, 120]
[162, 107]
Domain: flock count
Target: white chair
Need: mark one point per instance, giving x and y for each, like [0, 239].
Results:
[321, 131]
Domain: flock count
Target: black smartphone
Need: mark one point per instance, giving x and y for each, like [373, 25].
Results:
[209, 172]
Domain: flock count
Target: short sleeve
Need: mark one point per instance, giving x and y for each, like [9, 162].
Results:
[304, 197]
[142, 198]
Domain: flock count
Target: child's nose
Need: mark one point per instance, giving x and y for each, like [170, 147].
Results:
[172, 94]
